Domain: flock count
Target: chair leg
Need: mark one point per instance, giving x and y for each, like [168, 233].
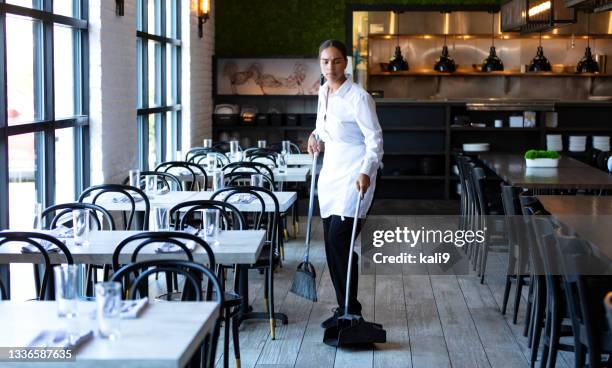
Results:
[555, 334]
[530, 303]
[271, 303]
[517, 297]
[266, 292]
[226, 330]
[483, 264]
[506, 294]
[236, 338]
[536, 323]
[547, 329]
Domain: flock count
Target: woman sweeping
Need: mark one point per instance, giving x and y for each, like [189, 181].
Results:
[348, 130]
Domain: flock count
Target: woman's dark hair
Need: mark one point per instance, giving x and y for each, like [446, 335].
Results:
[335, 44]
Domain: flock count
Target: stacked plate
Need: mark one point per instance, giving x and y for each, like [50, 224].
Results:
[601, 142]
[475, 147]
[577, 143]
[554, 142]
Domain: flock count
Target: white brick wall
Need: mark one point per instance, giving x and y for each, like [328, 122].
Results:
[113, 130]
[197, 90]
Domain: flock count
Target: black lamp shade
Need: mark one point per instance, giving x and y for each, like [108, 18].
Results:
[540, 62]
[398, 62]
[445, 63]
[492, 63]
[587, 64]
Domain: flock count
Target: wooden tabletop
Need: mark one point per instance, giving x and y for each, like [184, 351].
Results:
[571, 173]
[235, 247]
[165, 334]
[589, 216]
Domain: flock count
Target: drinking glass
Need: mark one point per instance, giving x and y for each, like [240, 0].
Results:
[211, 226]
[80, 226]
[217, 181]
[282, 163]
[108, 309]
[257, 180]
[262, 144]
[151, 186]
[162, 218]
[286, 145]
[38, 216]
[66, 286]
[207, 143]
[179, 155]
[234, 147]
[134, 176]
[211, 162]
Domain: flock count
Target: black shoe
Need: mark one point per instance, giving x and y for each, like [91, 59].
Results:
[333, 320]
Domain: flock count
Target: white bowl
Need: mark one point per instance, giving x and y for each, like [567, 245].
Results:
[475, 147]
[542, 162]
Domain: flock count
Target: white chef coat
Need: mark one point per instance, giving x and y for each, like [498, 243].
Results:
[353, 145]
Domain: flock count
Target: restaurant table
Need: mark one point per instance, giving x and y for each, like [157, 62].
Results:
[172, 198]
[291, 174]
[235, 247]
[165, 335]
[301, 159]
[589, 216]
[571, 173]
[241, 247]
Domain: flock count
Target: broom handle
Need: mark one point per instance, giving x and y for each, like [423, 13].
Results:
[313, 174]
[350, 260]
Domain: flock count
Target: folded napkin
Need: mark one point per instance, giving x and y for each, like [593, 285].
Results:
[60, 339]
[130, 309]
[173, 248]
[59, 232]
[244, 198]
[124, 199]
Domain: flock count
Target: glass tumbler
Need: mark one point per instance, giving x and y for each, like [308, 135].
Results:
[80, 226]
[211, 226]
[262, 144]
[66, 286]
[207, 143]
[134, 176]
[108, 309]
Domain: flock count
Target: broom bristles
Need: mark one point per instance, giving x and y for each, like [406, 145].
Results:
[304, 285]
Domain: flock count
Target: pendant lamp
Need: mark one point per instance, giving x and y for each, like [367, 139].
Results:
[445, 63]
[492, 62]
[540, 63]
[587, 64]
[397, 63]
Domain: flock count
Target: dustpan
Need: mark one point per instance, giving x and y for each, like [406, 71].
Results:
[352, 329]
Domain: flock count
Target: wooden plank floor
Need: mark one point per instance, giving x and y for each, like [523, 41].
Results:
[431, 321]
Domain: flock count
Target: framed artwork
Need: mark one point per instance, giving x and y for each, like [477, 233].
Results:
[268, 76]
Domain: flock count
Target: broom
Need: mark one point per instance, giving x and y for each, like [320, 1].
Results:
[304, 280]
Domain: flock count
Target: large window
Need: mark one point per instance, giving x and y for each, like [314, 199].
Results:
[159, 75]
[44, 124]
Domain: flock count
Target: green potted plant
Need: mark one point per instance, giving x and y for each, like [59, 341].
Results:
[542, 158]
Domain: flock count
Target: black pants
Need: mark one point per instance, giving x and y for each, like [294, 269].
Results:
[337, 235]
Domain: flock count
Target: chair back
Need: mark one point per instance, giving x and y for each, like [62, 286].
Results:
[184, 213]
[191, 169]
[36, 240]
[164, 179]
[241, 178]
[255, 167]
[63, 211]
[124, 191]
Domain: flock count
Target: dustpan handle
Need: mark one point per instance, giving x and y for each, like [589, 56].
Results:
[350, 260]
[313, 174]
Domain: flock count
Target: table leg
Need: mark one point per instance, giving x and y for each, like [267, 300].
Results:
[246, 312]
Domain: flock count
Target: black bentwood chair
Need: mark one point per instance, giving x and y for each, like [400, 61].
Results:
[121, 193]
[192, 170]
[38, 240]
[195, 274]
[270, 258]
[188, 214]
[61, 214]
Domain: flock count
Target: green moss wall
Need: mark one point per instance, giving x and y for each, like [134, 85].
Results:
[289, 27]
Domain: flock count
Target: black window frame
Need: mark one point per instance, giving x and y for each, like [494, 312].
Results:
[44, 129]
[165, 82]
